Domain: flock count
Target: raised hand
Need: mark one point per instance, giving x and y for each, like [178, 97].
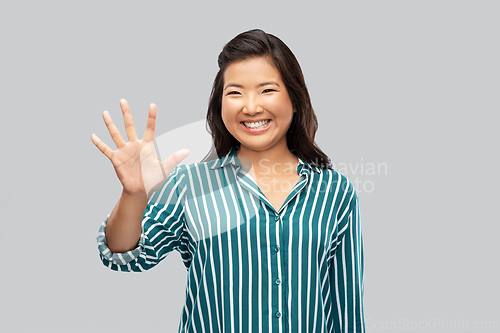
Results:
[136, 164]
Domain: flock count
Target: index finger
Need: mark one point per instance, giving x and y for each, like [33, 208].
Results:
[149, 133]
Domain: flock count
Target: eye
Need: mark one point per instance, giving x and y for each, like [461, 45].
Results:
[233, 92]
[268, 90]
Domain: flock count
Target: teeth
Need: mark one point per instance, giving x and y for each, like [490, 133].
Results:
[256, 124]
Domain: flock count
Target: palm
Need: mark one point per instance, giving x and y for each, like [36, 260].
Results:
[136, 163]
[127, 164]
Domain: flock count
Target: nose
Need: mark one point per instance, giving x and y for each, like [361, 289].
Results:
[252, 106]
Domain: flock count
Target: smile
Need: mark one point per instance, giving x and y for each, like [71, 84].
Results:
[257, 124]
[256, 127]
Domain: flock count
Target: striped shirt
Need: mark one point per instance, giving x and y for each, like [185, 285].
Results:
[251, 268]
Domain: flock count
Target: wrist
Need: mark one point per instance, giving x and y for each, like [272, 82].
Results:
[140, 196]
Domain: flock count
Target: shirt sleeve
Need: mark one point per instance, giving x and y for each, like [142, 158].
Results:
[346, 271]
[163, 230]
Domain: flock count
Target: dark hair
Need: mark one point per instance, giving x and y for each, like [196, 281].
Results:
[300, 135]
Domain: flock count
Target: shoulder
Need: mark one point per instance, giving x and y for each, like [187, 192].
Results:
[195, 171]
[337, 181]
[340, 190]
[184, 177]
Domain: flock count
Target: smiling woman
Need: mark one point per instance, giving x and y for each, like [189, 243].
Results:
[269, 232]
[256, 66]
[255, 95]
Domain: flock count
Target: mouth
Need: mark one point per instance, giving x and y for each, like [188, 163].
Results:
[256, 127]
[258, 124]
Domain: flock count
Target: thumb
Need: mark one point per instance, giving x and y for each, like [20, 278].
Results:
[170, 163]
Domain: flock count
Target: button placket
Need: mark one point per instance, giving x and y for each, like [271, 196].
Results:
[277, 249]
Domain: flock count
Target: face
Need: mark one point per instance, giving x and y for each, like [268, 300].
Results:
[253, 90]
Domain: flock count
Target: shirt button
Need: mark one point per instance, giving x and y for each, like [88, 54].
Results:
[278, 281]
[278, 314]
[277, 217]
[276, 248]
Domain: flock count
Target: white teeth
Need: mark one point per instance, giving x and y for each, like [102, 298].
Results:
[257, 124]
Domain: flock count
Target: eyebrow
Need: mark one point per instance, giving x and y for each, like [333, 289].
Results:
[258, 86]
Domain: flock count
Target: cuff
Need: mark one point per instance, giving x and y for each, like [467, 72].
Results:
[117, 258]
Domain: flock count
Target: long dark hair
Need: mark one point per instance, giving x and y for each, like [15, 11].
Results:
[300, 136]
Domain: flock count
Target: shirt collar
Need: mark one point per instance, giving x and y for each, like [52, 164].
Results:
[232, 158]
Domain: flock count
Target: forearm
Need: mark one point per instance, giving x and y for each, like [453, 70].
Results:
[124, 225]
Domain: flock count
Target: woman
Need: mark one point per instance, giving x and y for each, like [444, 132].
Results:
[269, 232]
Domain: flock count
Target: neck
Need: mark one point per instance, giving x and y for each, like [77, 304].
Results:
[275, 159]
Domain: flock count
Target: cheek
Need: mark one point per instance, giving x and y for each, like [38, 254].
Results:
[228, 117]
[229, 110]
[282, 107]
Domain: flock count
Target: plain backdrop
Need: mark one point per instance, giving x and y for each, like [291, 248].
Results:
[407, 98]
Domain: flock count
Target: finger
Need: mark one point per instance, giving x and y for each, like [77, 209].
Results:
[129, 121]
[113, 131]
[170, 163]
[149, 133]
[102, 146]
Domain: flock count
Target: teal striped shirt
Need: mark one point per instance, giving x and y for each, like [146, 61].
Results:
[251, 268]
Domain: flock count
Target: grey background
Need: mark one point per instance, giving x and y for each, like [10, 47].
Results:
[413, 85]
